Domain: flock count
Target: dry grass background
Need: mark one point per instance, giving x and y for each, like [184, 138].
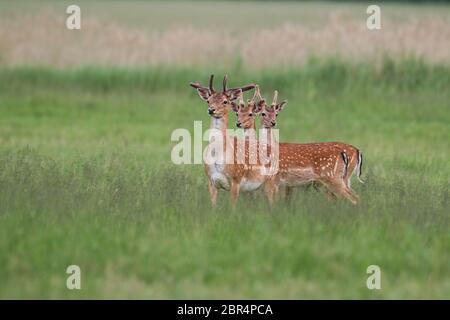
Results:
[39, 37]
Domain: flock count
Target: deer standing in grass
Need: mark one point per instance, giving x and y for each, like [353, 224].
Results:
[323, 163]
[230, 174]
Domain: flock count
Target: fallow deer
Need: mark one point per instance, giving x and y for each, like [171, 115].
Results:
[246, 114]
[299, 164]
[229, 175]
[246, 119]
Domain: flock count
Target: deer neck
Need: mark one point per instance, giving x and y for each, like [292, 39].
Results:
[268, 135]
[220, 123]
[250, 131]
[253, 127]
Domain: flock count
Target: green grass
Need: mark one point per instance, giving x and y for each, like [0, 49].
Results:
[86, 179]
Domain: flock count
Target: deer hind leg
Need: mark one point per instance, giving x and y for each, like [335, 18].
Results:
[322, 187]
[347, 179]
[351, 167]
[212, 193]
[340, 183]
[338, 186]
[331, 196]
[288, 194]
[352, 193]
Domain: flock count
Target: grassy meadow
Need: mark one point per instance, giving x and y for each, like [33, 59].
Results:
[86, 177]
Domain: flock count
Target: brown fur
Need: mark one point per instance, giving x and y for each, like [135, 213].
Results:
[231, 175]
[319, 163]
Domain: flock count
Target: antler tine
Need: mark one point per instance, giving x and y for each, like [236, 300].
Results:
[259, 93]
[211, 80]
[275, 97]
[196, 85]
[255, 94]
[241, 103]
[241, 99]
[225, 79]
[245, 88]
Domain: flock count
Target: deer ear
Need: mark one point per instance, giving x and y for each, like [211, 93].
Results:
[233, 94]
[204, 93]
[280, 106]
[257, 108]
[260, 104]
[234, 106]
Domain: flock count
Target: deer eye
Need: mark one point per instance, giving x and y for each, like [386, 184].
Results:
[263, 114]
[250, 114]
[225, 101]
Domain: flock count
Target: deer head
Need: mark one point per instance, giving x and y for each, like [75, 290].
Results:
[246, 114]
[218, 101]
[270, 113]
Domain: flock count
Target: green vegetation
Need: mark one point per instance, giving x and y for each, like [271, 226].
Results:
[86, 179]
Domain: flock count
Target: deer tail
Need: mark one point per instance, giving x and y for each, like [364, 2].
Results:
[345, 158]
[359, 166]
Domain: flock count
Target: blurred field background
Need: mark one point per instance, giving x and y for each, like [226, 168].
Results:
[85, 171]
[257, 34]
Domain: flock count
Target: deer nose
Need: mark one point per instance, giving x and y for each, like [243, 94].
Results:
[211, 111]
[273, 123]
[238, 124]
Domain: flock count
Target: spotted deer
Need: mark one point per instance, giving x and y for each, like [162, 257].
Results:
[323, 163]
[246, 114]
[231, 175]
[246, 119]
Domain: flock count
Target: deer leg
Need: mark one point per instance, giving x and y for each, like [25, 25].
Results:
[339, 187]
[339, 184]
[288, 194]
[271, 191]
[316, 186]
[330, 195]
[352, 194]
[212, 193]
[348, 190]
[350, 169]
[234, 193]
[347, 179]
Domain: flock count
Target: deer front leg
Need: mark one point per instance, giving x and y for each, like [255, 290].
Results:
[234, 192]
[271, 190]
[212, 193]
[288, 194]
